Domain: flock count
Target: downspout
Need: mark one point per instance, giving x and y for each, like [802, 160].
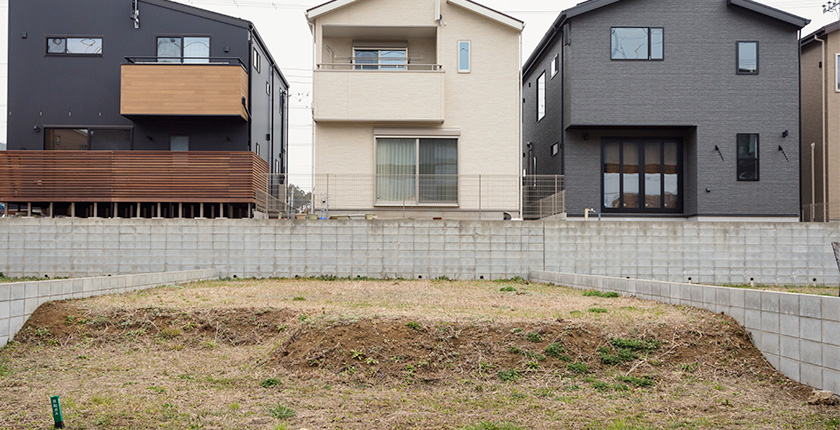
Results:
[312, 29]
[250, 85]
[802, 218]
[521, 131]
[562, 66]
[822, 118]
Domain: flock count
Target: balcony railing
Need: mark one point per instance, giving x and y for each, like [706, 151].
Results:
[213, 61]
[131, 176]
[176, 86]
[381, 67]
[534, 197]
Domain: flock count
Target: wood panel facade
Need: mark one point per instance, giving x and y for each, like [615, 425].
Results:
[131, 176]
[184, 89]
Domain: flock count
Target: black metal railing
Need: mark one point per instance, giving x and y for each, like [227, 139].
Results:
[211, 61]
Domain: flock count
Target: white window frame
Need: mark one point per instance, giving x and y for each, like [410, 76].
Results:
[257, 60]
[541, 97]
[378, 58]
[555, 63]
[469, 55]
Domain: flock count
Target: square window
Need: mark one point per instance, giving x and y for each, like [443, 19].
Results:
[637, 43]
[747, 58]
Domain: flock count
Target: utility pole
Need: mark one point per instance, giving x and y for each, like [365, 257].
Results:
[832, 6]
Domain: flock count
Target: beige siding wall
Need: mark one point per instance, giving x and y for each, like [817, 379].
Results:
[484, 104]
[812, 125]
[370, 96]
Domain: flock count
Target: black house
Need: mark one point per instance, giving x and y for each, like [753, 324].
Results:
[88, 76]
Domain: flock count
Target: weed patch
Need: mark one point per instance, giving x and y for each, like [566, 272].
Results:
[489, 425]
[578, 367]
[509, 375]
[638, 382]
[281, 411]
[606, 295]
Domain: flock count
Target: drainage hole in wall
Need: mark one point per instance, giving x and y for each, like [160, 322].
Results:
[481, 277]
[689, 278]
[234, 276]
[297, 277]
[815, 279]
[752, 279]
[420, 277]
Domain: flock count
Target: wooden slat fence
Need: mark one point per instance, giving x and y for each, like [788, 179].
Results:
[131, 176]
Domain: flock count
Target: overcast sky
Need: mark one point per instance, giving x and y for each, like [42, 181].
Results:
[283, 26]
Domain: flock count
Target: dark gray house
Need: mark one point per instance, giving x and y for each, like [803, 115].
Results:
[148, 76]
[656, 108]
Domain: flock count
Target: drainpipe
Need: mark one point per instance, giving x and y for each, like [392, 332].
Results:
[813, 182]
[823, 107]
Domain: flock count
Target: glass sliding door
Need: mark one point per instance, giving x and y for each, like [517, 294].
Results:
[630, 175]
[416, 171]
[438, 171]
[642, 175]
[671, 176]
[612, 175]
[653, 175]
[396, 161]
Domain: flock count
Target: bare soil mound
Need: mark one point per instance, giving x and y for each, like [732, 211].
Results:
[382, 350]
[66, 323]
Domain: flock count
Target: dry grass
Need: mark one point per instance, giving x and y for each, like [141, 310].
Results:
[197, 356]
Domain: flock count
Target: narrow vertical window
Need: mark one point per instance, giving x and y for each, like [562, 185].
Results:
[747, 157]
[657, 43]
[747, 57]
[555, 65]
[837, 72]
[257, 60]
[464, 56]
[541, 96]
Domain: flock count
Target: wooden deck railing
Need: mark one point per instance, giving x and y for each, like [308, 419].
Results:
[131, 176]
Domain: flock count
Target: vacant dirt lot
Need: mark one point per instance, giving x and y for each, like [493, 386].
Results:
[358, 354]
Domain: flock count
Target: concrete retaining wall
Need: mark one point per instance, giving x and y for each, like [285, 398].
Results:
[799, 334]
[20, 299]
[709, 253]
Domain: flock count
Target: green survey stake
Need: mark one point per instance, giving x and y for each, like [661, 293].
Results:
[56, 411]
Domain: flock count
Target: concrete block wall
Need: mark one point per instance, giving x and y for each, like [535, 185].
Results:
[708, 253]
[798, 334]
[20, 299]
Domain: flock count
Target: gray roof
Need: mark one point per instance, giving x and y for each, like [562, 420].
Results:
[828, 29]
[590, 5]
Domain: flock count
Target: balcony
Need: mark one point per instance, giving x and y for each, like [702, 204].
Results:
[184, 87]
[131, 176]
[346, 92]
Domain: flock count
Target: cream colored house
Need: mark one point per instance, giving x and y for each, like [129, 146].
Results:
[417, 108]
[820, 163]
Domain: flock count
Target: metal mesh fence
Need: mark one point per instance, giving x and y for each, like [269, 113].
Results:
[531, 197]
